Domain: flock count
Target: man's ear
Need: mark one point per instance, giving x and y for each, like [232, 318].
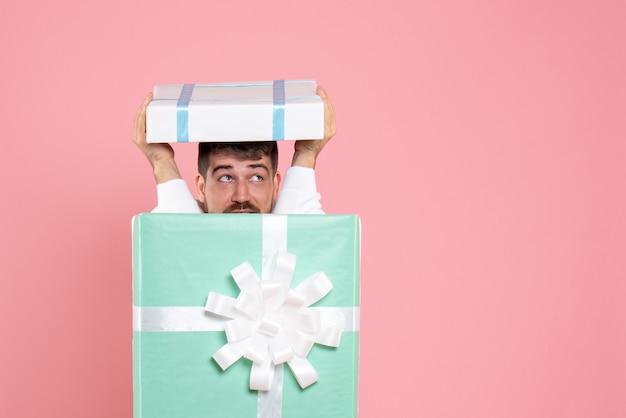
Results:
[200, 185]
[277, 179]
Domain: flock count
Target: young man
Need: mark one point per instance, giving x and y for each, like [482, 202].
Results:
[237, 177]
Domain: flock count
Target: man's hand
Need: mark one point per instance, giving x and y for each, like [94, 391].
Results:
[307, 150]
[160, 156]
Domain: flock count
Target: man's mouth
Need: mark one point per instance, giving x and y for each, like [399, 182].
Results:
[242, 208]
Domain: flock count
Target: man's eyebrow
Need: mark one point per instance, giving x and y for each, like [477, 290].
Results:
[263, 166]
[230, 167]
[221, 167]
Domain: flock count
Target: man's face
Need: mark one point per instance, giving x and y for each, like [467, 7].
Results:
[232, 185]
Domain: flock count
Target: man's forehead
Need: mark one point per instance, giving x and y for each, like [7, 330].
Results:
[224, 159]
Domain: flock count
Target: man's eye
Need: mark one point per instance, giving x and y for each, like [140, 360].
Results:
[225, 178]
[257, 178]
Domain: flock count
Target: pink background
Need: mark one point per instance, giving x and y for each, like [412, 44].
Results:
[482, 143]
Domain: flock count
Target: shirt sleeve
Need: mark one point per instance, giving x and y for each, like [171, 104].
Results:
[299, 193]
[174, 197]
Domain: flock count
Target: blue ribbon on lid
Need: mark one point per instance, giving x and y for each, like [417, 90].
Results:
[182, 113]
[278, 122]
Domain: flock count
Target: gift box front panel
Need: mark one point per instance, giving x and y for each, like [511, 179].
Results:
[179, 259]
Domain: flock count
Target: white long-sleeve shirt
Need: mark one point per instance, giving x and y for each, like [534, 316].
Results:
[298, 195]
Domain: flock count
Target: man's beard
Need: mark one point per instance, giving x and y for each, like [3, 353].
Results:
[237, 207]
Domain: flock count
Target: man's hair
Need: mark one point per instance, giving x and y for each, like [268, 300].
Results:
[240, 150]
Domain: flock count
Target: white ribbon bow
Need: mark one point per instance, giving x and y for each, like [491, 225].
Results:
[273, 324]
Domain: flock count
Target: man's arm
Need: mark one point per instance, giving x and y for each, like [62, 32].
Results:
[299, 192]
[160, 156]
[306, 151]
[173, 195]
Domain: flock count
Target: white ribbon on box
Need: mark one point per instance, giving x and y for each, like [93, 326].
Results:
[272, 324]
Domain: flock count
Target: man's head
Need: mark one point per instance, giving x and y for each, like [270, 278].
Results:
[237, 177]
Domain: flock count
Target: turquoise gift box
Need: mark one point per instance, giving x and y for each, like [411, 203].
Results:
[179, 259]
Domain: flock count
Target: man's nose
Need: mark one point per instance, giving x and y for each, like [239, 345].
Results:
[241, 194]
